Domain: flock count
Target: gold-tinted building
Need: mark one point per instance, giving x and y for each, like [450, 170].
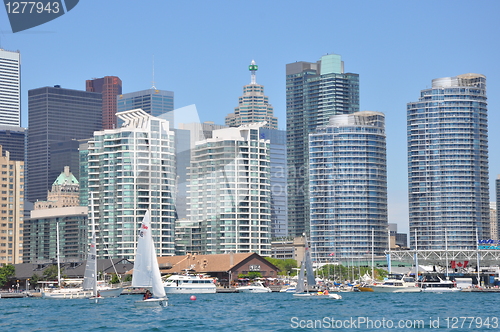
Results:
[11, 209]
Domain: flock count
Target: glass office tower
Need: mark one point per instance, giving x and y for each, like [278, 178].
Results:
[314, 92]
[10, 88]
[448, 164]
[348, 186]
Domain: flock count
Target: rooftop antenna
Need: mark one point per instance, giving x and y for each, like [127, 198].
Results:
[153, 82]
[253, 68]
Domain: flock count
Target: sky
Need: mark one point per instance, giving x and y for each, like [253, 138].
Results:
[201, 50]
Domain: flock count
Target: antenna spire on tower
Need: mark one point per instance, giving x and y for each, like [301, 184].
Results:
[153, 82]
[253, 68]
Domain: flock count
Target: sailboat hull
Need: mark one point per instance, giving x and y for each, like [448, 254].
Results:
[152, 303]
[316, 296]
[111, 292]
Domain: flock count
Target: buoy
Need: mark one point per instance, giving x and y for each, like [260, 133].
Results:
[192, 298]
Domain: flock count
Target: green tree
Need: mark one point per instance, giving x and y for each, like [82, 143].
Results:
[35, 278]
[115, 279]
[50, 273]
[128, 278]
[286, 266]
[6, 272]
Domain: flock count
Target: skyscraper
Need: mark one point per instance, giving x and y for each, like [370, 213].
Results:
[131, 170]
[253, 106]
[448, 164]
[57, 117]
[10, 88]
[110, 87]
[230, 191]
[12, 139]
[348, 182]
[158, 103]
[314, 92]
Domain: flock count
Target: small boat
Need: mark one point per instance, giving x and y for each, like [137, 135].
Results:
[146, 272]
[189, 284]
[396, 283]
[255, 287]
[434, 283]
[301, 291]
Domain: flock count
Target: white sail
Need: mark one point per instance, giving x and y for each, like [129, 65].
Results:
[146, 270]
[311, 280]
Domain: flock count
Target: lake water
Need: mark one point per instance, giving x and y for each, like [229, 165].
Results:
[259, 312]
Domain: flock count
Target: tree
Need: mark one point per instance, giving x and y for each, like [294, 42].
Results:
[115, 279]
[35, 278]
[286, 266]
[6, 272]
[50, 273]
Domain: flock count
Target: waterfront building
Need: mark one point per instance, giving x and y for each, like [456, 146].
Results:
[348, 186]
[314, 92]
[12, 139]
[158, 103]
[497, 188]
[61, 211]
[12, 209]
[287, 248]
[110, 87]
[448, 164]
[10, 88]
[132, 169]
[57, 117]
[230, 190]
[253, 106]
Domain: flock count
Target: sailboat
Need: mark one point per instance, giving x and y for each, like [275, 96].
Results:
[301, 290]
[146, 271]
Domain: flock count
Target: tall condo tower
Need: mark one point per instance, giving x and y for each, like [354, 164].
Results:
[230, 192]
[253, 106]
[348, 182]
[314, 92]
[448, 164]
[57, 118]
[10, 88]
[131, 170]
[110, 87]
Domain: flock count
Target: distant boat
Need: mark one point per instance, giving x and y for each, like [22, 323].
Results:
[301, 291]
[146, 271]
[189, 284]
[254, 287]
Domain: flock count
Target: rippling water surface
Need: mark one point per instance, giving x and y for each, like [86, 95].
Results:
[259, 312]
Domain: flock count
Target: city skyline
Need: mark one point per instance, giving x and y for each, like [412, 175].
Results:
[393, 53]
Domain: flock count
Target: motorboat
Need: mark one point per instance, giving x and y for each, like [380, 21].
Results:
[189, 284]
[255, 287]
[436, 284]
[395, 283]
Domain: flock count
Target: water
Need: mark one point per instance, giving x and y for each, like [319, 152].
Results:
[258, 312]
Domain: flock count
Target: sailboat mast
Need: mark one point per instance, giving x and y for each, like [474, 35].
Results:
[58, 258]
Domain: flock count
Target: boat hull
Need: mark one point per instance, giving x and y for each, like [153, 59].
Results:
[111, 292]
[185, 290]
[152, 303]
[392, 289]
[316, 296]
[254, 290]
[68, 295]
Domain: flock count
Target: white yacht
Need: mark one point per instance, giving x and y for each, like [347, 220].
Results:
[434, 283]
[189, 284]
[255, 287]
[396, 283]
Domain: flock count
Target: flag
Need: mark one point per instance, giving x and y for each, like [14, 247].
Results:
[332, 254]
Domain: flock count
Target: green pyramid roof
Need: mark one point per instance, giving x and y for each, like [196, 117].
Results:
[65, 177]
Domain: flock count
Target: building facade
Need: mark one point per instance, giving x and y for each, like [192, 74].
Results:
[348, 183]
[13, 139]
[158, 103]
[314, 92]
[493, 221]
[110, 87]
[253, 106]
[131, 170]
[56, 118]
[11, 209]
[448, 164]
[10, 88]
[230, 191]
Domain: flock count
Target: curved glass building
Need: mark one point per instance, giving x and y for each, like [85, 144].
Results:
[448, 164]
[348, 186]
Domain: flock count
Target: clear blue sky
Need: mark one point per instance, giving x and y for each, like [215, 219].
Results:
[202, 50]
